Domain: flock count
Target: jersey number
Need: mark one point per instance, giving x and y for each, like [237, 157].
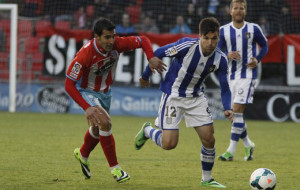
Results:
[172, 110]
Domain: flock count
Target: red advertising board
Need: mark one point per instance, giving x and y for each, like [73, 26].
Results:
[294, 40]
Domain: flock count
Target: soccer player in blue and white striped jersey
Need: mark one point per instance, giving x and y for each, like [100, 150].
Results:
[239, 40]
[182, 94]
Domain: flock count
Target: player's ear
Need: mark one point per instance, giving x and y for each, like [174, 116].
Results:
[96, 35]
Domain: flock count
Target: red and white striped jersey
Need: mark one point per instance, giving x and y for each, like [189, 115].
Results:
[94, 69]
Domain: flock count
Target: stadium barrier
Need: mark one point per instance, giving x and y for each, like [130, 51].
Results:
[278, 106]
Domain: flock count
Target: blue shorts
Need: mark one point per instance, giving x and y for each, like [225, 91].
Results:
[97, 98]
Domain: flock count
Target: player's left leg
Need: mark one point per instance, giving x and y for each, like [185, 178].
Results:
[249, 145]
[166, 139]
[239, 109]
[169, 117]
[198, 116]
[206, 135]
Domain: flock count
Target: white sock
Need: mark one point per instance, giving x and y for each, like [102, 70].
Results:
[247, 141]
[83, 158]
[147, 131]
[206, 175]
[232, 147]
[113, 167]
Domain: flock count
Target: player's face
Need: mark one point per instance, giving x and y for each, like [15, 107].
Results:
[209, 42]
[106, 40]
[238, 12]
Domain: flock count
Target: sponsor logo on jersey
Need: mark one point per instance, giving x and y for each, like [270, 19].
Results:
[73, 75]
[76, 68]
[240, 91]
[171, 51]
[248, 35]
[108, 63]
[208, 110]
[211, 68]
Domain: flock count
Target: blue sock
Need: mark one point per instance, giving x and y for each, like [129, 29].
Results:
[154, 134]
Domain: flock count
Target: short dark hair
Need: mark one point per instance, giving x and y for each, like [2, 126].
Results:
[238, 1]
[103, 24]
[209, 24]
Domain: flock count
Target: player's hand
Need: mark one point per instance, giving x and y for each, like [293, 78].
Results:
[144, 83]
[234, 55]
[156, 64]
[92, 115]
[253, 63]
[229, 115]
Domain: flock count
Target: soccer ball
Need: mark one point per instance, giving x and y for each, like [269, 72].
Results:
[263, 178]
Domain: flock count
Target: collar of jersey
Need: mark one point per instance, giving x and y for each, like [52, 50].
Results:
[245, 23]
[97, 49]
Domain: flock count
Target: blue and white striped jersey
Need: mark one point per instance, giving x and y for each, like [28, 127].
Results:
[189, 69]
[243, 40]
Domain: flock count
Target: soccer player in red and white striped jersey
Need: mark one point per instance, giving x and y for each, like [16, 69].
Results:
[88, 81]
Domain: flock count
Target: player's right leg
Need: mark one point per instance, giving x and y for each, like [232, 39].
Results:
[84, 163]
[237, 128]
[81, 154]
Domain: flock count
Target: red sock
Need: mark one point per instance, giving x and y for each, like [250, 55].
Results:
[88, 145]
[109, 149]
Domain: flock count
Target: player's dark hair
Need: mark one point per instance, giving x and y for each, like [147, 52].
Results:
[238, 1]
[209, 24]
[103, 24]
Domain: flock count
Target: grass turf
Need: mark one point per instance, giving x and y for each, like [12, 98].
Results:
[36, 152]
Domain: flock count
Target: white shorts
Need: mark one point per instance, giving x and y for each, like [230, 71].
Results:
[171, 110]
[242, 90]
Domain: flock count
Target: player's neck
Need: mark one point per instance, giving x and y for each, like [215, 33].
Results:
[238, 25]
[100, 47]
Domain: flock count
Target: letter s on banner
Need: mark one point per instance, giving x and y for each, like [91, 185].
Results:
[58, 67]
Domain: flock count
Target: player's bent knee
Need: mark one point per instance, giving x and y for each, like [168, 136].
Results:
[95, 130]
[105, 125]
[209, 142]
[169, 145]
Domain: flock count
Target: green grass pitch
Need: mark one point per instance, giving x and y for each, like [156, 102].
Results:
[36, 152]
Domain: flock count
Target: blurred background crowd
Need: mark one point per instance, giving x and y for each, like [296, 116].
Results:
[160, 16]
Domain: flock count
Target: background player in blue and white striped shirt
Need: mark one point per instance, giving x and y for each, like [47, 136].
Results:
[182, 94]
[239, 40]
